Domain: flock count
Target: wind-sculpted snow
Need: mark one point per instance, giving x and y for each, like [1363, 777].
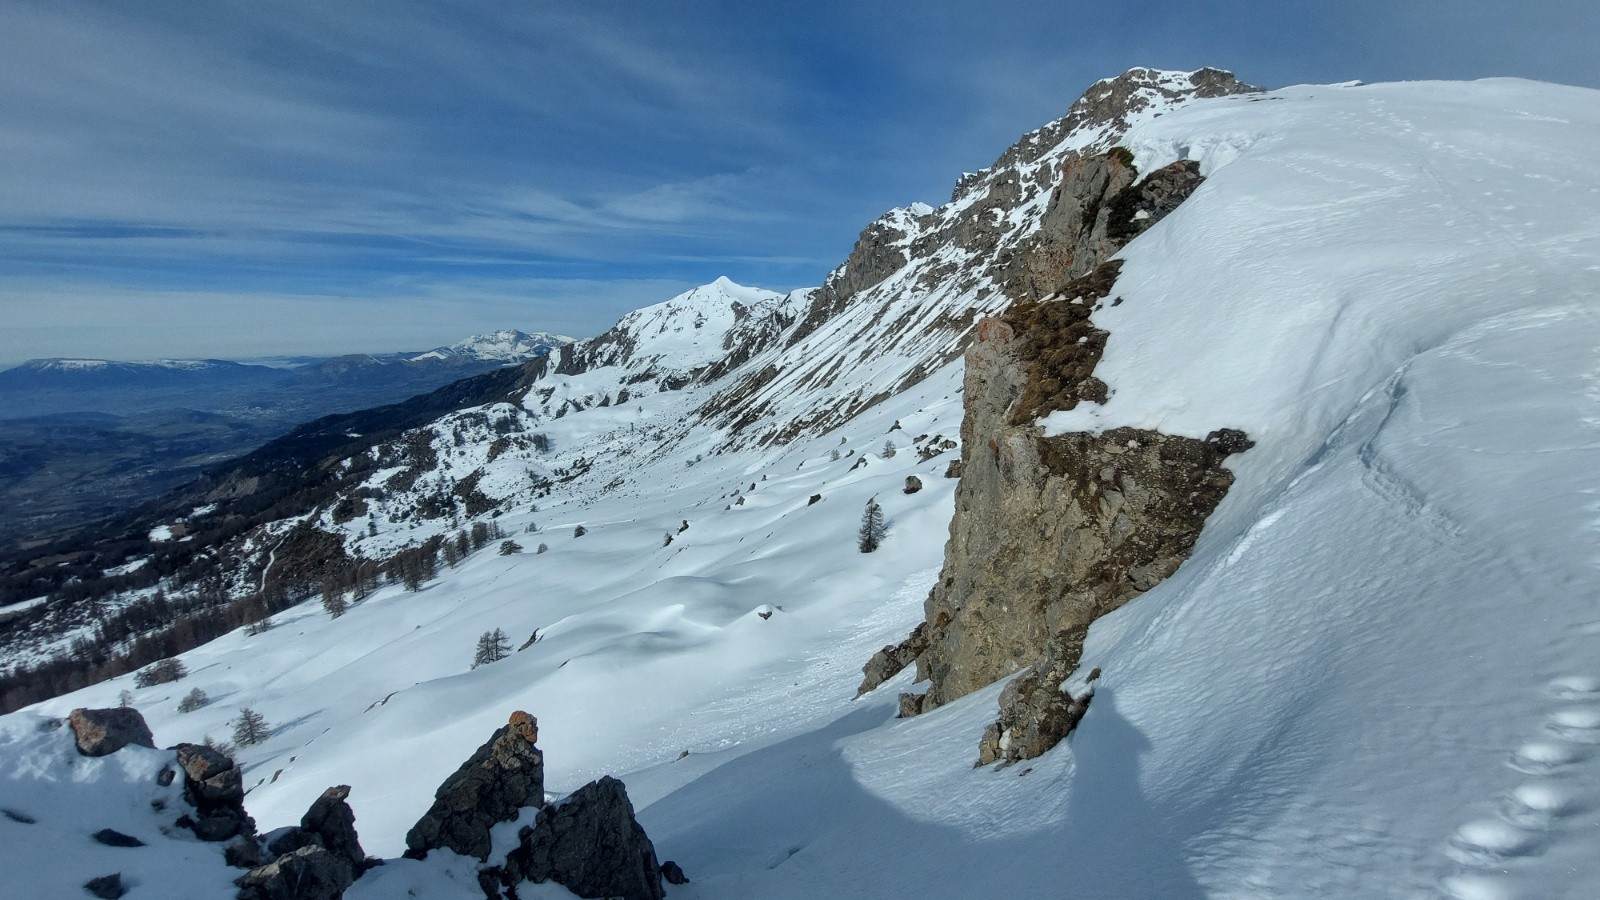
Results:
[1375, 676]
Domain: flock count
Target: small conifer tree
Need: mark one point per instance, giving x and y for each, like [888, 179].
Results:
[193, 701]
[493, 646]
[249, 728]
[333, 600]
[873, 529]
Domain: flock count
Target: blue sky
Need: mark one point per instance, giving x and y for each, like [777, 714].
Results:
[239, 179]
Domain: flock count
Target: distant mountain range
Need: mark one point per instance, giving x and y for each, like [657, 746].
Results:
[43, 387]
[84, 438]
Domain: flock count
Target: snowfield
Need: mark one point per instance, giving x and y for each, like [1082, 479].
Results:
[1378, 675]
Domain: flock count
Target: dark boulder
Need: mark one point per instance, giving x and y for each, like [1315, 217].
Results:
[330, 823]
[214, 786]
[106, 887]
[103, 731]
[245, 853]
[310, 873]
[504, 775]
[591, 844]
[114, 838]
[672, 873]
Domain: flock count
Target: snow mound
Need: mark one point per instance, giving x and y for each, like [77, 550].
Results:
[52, 799]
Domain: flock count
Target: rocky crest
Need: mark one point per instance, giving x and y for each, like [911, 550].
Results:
[503, 776]
[589, 842]
[1050, 533]
[214, 786]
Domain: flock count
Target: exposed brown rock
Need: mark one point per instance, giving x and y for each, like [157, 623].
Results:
[889, 661]
[1035, 712]
[100, 732]
[1052, 532]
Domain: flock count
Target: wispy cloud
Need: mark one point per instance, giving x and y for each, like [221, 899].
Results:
[309, 154]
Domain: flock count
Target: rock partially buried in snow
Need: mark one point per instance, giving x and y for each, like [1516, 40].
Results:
[310, 873]
[672, 873]
[592, 844]
[106, 887]
[504, 775]
[114, 838]
[101, 732]
[330, 823]
[214, 785]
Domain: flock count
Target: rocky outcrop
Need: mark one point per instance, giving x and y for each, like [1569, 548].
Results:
[214, 786]
[1052, 532]
[590, 843]
[1036, 710]
[310, 873]
[104, 731]
[504, 775]
[892, 659]
[330, 823]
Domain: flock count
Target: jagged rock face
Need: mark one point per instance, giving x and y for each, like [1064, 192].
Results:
[1036, 712]
[1052, 532]
[310, 873]
[590, 843]
[332, 820]
[214, 786]
[892, 659]
[100, 732]
[504, 775]
[1107, 105]
[330, 823]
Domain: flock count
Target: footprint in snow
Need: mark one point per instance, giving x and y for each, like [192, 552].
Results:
[1528, 816]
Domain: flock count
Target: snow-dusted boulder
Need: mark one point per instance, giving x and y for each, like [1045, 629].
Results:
[310, 873]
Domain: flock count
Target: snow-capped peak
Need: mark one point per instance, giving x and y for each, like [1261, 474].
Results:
[687, 331]
[505, 345]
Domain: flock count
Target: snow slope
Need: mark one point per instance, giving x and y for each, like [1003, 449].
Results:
[1377, 676]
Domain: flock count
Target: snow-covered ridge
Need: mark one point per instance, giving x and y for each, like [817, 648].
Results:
[506, 345]
[93, 365]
